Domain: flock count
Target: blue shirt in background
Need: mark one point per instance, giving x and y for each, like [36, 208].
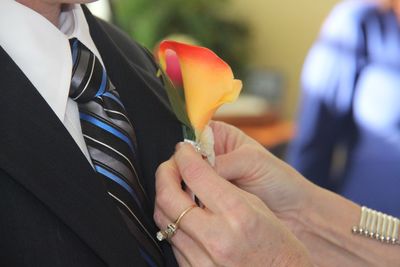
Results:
[351, 103]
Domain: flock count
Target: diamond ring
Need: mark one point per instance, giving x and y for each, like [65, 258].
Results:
[172, 227]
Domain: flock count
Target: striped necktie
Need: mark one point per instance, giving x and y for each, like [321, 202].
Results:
[111, 143]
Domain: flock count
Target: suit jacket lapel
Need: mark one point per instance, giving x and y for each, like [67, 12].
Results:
[38, 152]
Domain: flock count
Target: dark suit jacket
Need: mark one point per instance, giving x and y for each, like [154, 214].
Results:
[54, 210]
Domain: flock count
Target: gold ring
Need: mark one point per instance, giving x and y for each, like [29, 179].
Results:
[172, 227]
[183, 214]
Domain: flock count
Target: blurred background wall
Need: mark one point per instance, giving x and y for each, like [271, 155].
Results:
[281, 34]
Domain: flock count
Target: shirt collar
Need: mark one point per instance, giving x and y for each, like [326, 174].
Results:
[42, 50]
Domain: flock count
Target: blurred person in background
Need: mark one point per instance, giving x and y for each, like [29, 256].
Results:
[350, 103]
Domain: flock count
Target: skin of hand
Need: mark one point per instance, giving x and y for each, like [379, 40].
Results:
[234, 229]
[247, 164]
[320, 219]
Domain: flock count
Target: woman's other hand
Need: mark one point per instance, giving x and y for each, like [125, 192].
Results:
[235, 228]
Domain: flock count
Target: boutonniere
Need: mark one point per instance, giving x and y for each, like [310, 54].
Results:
[198, 82]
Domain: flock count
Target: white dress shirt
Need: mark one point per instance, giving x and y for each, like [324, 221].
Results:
[42, 52]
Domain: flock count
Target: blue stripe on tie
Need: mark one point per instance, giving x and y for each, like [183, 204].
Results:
[74, 51]
[113, 97]
[119, 181]
[147, 258]
[103, 83]
[107, 128]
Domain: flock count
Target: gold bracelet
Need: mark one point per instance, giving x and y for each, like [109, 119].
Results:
[377, 225]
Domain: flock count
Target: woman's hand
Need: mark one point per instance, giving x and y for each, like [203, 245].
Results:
[320, 219]
[251, 167]
[235, 228]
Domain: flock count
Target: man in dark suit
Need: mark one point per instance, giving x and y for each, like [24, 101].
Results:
[54, 206]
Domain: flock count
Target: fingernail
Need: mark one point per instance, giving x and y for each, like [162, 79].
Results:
[179, 145]
[192, 144]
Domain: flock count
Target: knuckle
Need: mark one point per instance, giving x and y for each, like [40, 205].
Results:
[222, 250]
[163, 174]
[163, 197]
[192, 171]
[161, 169]
[254, 151]
[256, 201]
[160, 173]
[239, 221]
[234, 204]
[157, 217]
[242, 218]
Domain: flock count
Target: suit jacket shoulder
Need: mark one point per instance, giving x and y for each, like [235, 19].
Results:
[133, 50]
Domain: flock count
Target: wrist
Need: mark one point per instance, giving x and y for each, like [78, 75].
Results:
[328, 217]
[325, 229]
[323, 224]
[298, 219]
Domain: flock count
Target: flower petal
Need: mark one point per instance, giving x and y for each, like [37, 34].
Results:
[207, 80]
[173, 68]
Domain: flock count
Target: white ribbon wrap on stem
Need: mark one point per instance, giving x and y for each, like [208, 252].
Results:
[205, 146]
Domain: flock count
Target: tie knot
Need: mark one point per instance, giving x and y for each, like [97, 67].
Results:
[89, 78]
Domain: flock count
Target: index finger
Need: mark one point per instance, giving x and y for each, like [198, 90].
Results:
[212, 190]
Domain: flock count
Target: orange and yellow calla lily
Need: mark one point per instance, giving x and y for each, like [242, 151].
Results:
[208, 81]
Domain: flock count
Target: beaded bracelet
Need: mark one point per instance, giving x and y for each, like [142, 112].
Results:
[378, 225]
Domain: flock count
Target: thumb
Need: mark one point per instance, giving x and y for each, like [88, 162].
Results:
[245, 162]
[227, 137]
